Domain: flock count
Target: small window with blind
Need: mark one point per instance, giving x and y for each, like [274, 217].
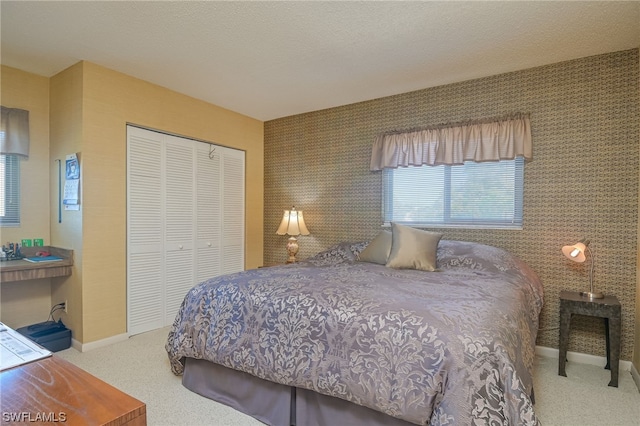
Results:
[9, 190]
[473, 195]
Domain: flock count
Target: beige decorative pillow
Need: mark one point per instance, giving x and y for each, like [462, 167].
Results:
[413, 248]
[378, 249]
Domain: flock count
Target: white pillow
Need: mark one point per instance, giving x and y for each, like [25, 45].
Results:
[413, 248]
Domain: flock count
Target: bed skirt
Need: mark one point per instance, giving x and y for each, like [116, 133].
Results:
[276, 404]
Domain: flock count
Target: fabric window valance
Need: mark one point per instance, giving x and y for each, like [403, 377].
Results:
[500, 139]
[14, 132]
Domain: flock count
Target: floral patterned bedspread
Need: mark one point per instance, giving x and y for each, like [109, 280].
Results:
[454, 346]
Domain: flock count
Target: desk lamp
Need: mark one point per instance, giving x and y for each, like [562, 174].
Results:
[576, 253]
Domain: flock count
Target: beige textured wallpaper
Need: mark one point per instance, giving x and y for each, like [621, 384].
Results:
[581, 183]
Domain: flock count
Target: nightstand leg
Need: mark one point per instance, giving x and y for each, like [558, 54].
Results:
[606, 333]
[615, 325]
[565, 324]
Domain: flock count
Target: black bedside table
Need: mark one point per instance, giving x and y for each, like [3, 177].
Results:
[571, 302]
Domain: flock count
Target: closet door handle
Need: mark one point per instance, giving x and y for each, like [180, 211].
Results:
[208, 244]
[180, 246]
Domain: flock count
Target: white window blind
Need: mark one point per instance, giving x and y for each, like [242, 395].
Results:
[472, 195]
[9, 190]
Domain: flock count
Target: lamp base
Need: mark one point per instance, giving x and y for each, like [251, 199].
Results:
[592, 295]
[292, 249]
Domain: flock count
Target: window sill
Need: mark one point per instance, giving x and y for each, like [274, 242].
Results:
[456, 226]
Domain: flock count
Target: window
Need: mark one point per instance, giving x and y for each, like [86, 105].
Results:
[473, 195]
[9, 190]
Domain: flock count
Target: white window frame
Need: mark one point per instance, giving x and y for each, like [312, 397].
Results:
[9, 190]
[510, 219]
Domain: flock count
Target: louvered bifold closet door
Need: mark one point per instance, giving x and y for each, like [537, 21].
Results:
[179, 222]
[233, 211]
[145, 256]
[208, 211]
[185, 221]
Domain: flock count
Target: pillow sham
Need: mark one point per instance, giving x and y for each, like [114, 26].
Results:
[378, 249]
[413, 248]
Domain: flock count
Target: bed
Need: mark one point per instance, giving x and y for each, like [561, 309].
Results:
[338, 340]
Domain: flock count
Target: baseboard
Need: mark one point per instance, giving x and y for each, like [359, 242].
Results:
[635, 375]
[84, 347]
[580, 358]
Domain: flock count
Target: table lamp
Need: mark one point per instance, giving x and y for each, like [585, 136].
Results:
[577, 253]
[292, 224]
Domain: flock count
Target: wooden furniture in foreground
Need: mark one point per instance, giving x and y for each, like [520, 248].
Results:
[609, 308]
[19, 270]
[53, 390]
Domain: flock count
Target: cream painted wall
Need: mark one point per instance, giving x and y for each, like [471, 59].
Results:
[89, 108]
[31, 92]
[28, 302]
[66, 138]
[109, 101]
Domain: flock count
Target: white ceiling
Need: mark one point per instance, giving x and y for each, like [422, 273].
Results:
[274, 59]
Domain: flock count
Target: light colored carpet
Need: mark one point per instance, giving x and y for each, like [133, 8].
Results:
[584, 397]
[140, 367]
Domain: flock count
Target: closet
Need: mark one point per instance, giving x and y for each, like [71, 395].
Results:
[185, 221]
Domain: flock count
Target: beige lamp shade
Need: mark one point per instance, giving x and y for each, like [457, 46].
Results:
[292, 223]
[576, 251]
